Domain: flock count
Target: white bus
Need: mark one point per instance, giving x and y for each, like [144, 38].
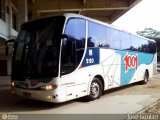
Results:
[69, 56]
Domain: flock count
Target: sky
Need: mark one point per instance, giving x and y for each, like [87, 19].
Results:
[146, 14]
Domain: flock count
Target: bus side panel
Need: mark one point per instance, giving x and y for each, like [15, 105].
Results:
[124, 67]
[133, 66]
[86, 75]
[111, 65]
[75, 85]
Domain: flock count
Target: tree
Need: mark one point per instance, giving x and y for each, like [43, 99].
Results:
[152, 34]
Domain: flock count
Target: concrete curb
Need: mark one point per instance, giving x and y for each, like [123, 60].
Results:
[147, 107]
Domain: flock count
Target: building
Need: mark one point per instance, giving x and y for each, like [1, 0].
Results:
[8, 30]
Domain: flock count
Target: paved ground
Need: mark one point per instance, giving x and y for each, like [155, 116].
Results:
[155, 109]
[125, 100]
[115, 104]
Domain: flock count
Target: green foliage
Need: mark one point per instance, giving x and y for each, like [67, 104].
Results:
[158, 54]
[151, 34]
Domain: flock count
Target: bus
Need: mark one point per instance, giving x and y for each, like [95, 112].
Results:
[68, 56]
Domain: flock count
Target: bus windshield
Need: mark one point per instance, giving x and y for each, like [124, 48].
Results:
[37, 48]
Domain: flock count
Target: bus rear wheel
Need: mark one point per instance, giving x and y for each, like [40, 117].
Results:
[146, 77]
[95, 89]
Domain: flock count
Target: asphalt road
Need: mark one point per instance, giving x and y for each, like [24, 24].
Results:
[124, 100]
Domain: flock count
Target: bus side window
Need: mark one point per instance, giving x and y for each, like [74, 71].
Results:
[96, 35]
[113, 38]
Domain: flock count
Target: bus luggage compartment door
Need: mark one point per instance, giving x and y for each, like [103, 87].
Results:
[76, 91]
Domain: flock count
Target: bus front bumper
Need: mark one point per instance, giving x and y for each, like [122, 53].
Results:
[42, 95]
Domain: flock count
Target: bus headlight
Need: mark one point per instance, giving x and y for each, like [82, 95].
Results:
[49, 87]
[13, 83]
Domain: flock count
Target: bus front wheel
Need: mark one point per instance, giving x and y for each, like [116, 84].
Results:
[95, 89]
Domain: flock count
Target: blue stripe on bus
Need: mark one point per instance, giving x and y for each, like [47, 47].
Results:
[91, 57]
[143, 58]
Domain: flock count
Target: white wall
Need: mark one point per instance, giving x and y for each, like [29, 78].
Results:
[4, 32]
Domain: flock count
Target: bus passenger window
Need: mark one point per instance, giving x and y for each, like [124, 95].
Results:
[96, 35]
[113, 38]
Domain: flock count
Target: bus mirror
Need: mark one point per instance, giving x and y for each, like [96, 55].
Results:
[68, 45]
[64, 37]
[6, 45]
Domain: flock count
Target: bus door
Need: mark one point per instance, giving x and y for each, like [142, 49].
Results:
[73, 46]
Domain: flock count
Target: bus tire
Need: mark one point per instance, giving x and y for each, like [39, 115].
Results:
[95, 89]
[146, 77]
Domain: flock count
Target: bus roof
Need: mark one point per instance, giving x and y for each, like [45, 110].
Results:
[69, 15]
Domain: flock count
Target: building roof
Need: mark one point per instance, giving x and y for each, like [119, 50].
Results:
[104, 10]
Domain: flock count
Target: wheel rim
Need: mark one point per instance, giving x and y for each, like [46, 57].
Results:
[95, 89]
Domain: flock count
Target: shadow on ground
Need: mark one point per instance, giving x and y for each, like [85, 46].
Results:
[10, 103]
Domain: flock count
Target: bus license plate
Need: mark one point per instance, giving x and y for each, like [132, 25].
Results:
[26, 94]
